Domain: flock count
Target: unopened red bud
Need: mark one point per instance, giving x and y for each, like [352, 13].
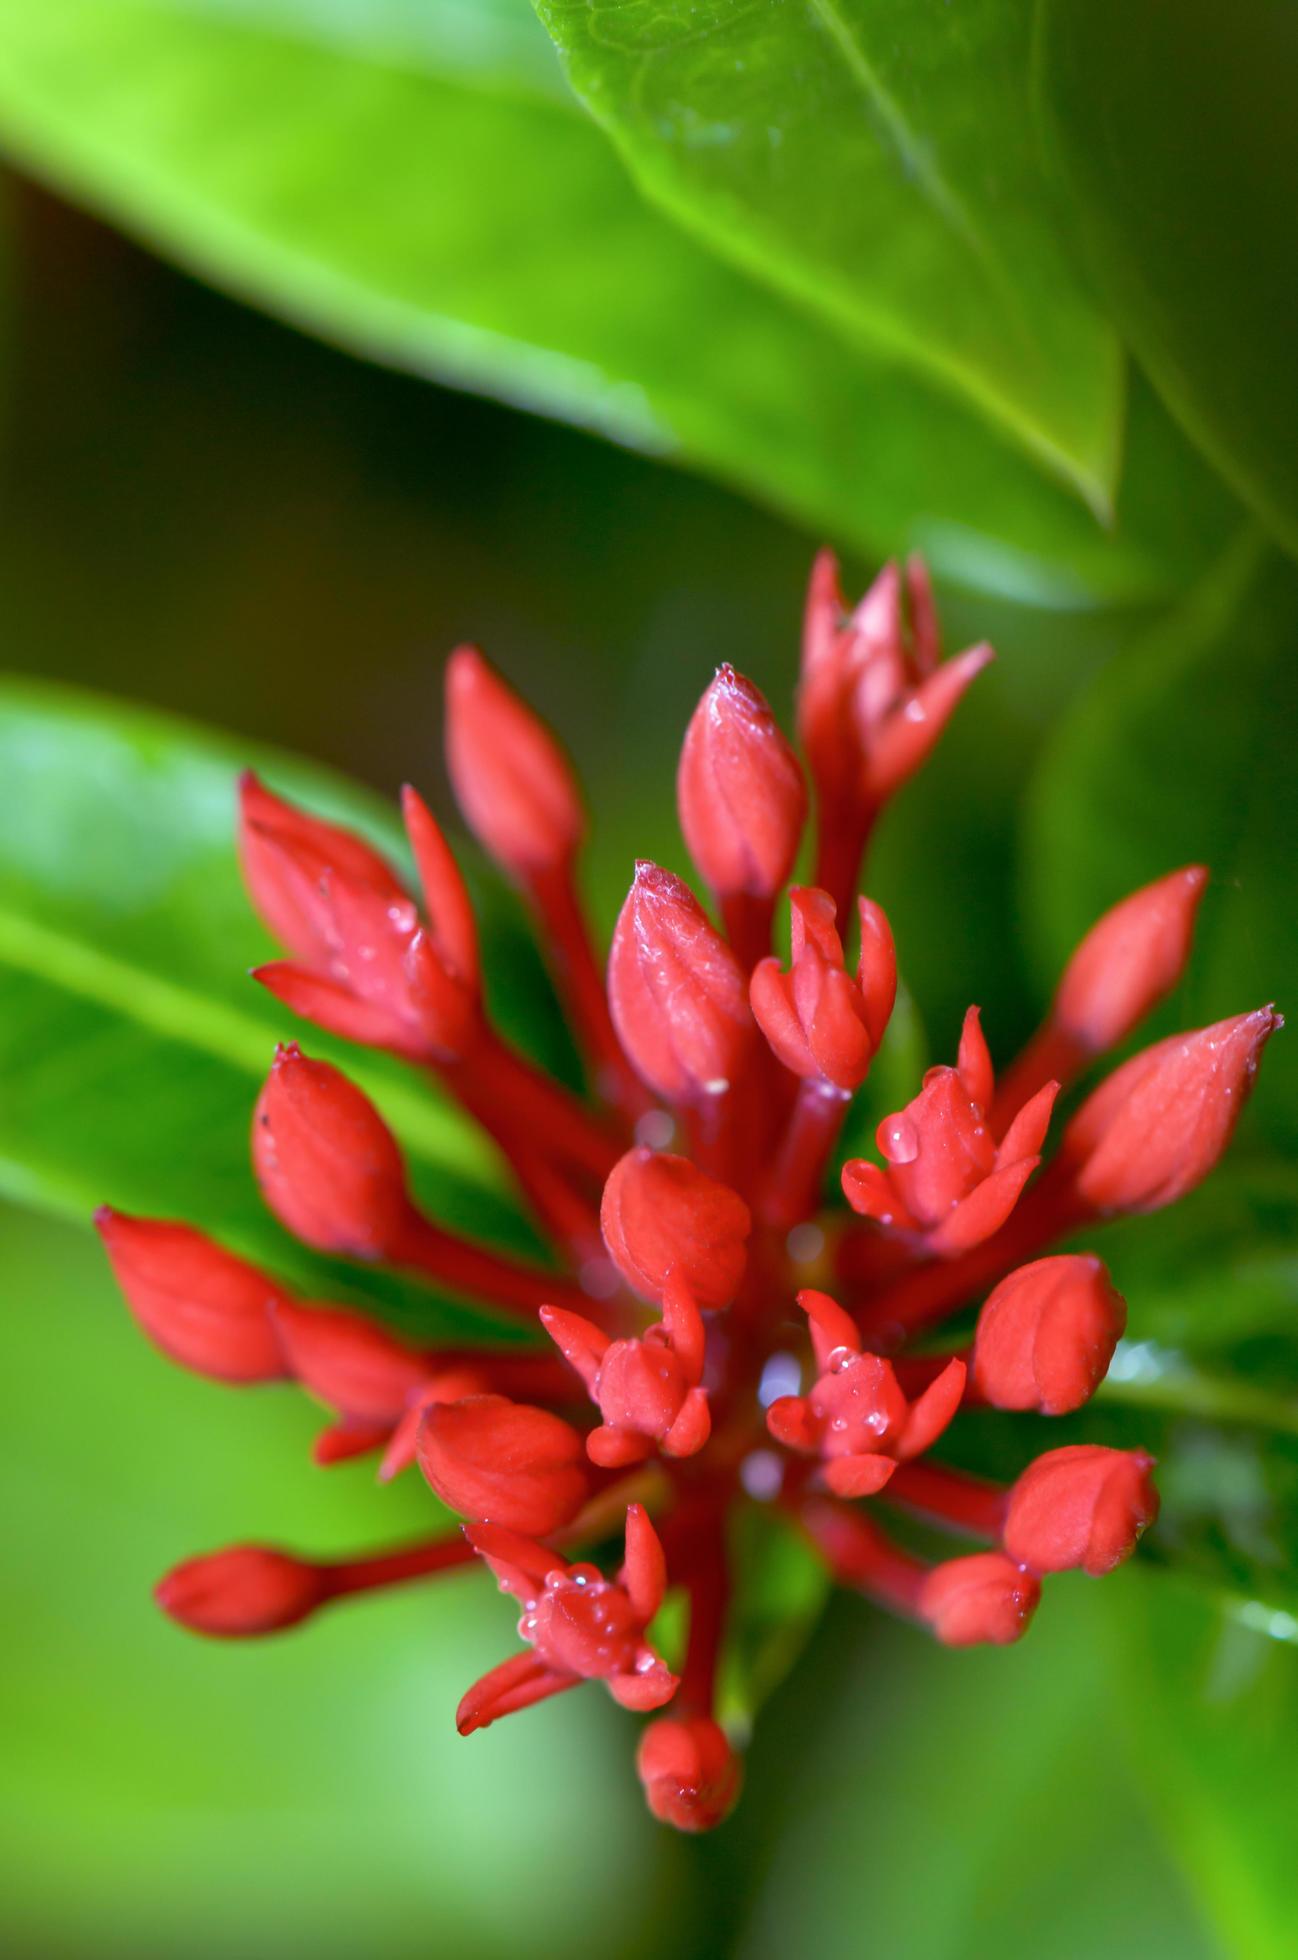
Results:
[1046, 1335]
[691, 1775]
[678, 996]
[505, 1463]
[1159, 1124]
[1083, 1507]
[983, 1599]
[270, 832]
[328, 1165]
[239, 1593]
[512, 781]
[819, 1022]
[349, 1363]
[1129, 961]
[661, 1216]
[206, 1309]
[739, 791]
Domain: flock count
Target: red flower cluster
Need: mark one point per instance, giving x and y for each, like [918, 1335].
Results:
[653, 1417]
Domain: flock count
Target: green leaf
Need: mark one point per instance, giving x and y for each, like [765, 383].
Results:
[405, 180]
[877, 160]
[1183, 751]
[1178, 140]
[132, 1041]
[780, 1587]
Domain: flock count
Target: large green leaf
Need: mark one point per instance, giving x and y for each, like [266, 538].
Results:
[1179, 141]
[878, 159]
[131, 1041]
[409, 182]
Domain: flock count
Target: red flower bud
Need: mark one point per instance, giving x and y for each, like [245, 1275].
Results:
[328, 1165]
[817, 1020]
[1129, 961]
[678, 996]
[247, 1590]
[511, 779]
[977, 1600]
[276, 842]
[1046, 1335]
[350, 1363]
[661, 1216]
[647, 1389]
[691, 1775]
[1159, 1124]
[739, 791]
[505, 1462]
[206, 1309]
[1081, 1507]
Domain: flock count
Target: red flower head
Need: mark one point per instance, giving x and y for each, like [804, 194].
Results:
[691, 1775]
[948, 1182]
[504, 1463]
[1083, 1506]
[855, 1416]
[661, 1216]
[821, 1024]
[579, 1625]
[647, 1390]
[690, 1415]
[1046, 1335]
[198, 1303]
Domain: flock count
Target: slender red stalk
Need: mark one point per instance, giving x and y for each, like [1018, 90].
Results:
[859, 1555]
[795, 1179]
[967, 1504]
[424, 1560]
[470, 1269]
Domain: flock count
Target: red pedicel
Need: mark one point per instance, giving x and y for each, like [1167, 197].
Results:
[1046, 1335]
[661, 1215]
[504, 1462]
[1084, 1506]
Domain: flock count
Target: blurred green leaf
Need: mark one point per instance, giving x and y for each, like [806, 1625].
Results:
[1179, 142]
[877, 160]
[408, 181]
[133, 1042]
[780, 1587]
[1184, 751]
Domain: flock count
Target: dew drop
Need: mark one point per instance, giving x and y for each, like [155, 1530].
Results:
[900, 1141]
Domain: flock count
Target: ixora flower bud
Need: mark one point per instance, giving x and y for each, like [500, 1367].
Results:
[647, 1390]
[328, 1165]
[661, 1216]
[580, 1625]
[739, 791]
[979, 1600]
[1159, 1124]
[504, 1462]
[678, 995]
[349, 1363]
[1080, 1507]
[856, 1417]
[948, 1183]
[244, 1591]
[691, 1775]
[820, 1023]
[206, 1309]
[1129, 961]
[1046, 1335]
[511, 779]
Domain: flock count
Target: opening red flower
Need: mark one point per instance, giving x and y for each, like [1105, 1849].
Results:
[680, 1198]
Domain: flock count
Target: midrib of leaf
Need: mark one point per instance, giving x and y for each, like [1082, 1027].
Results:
[178, 1014]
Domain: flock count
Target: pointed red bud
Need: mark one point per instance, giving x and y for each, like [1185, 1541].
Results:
[349, 1363]
[1080, 1507]
[512, 781]
[275, 840]
[661, 1216]
[1046, 1335]
[1156, 1127]
[983, 1599]
[504, 1463]
[239, 1593]
[1129, 961]
[818, 1021]
[328, 1166]
[691, 1775]
[206, 1309]
[678, 996]
[739, 791]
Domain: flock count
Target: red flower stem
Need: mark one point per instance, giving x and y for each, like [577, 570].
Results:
[952, 1497]
[792, 1189]
[422, 1561]
[708, 1585]
[842, 833]
[580, 980]
[522, 1376]
[859, 1555]
[1050, 1056]
[464, 1268]
[513, 1100]
[747, 921]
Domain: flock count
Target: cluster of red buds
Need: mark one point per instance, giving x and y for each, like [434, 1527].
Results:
[684, 1368]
